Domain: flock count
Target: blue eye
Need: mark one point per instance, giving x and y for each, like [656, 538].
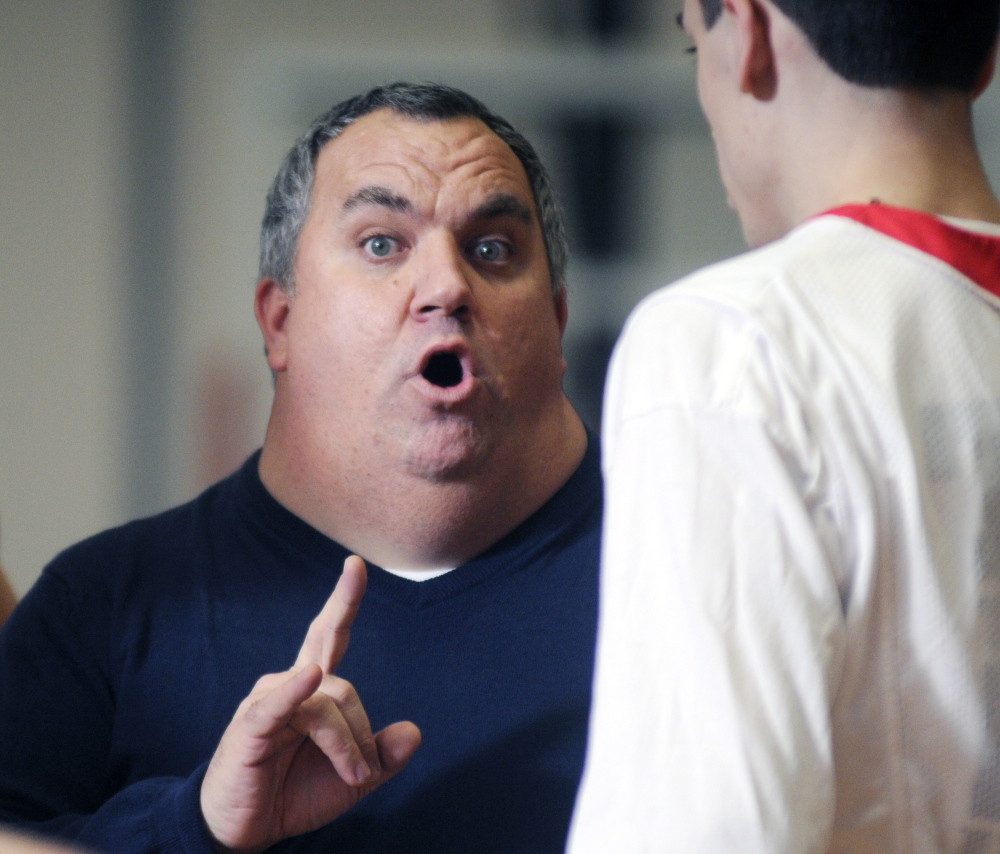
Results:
[380, 246]
[492, 251]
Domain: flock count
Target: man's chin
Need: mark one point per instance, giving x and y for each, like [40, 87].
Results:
[446, 451]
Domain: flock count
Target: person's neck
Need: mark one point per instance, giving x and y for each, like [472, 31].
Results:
[908, 149]
[375, 508]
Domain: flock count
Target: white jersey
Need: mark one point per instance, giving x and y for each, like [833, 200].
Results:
[799, 637]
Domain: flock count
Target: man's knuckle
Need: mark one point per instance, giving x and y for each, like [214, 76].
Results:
[341, 691]
[340, 741]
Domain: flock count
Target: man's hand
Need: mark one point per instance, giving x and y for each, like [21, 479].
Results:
[300, 751]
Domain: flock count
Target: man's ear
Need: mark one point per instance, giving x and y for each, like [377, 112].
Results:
[271, 307]
[985, 74]
[562, 310]
[758, 72]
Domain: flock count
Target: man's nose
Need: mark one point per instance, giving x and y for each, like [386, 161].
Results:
[441, 285]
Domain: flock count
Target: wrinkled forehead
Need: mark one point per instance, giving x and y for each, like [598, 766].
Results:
[427, 162]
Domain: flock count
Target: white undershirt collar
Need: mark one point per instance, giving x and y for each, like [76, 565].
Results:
[419, 574]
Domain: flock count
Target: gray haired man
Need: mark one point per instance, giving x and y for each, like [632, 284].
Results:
[157, 692]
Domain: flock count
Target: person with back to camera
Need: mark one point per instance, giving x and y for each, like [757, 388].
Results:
[800, 589]
[157, 691]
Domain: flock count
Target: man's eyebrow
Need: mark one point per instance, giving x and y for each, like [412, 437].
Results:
[380, 196]
[503, 204]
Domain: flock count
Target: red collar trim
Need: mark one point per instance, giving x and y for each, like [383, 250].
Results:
[976, 256]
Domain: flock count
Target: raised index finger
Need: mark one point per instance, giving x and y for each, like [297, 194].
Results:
[328, 635]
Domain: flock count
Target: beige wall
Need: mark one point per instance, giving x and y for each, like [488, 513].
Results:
[59, 147]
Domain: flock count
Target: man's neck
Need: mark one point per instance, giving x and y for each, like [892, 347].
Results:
[909, 149]
[389, 516]
[833, 143]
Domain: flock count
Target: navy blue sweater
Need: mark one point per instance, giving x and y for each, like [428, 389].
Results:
[126, 661]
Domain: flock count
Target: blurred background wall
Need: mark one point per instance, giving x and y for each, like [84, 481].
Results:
[138, 140]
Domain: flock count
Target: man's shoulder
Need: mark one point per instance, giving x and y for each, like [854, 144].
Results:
[748, 282]
[705, 340]
[115, 553]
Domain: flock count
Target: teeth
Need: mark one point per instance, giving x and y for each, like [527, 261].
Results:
[444, 370]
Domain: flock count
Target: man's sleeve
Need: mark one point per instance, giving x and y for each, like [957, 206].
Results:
[57, 716]
[721, 631]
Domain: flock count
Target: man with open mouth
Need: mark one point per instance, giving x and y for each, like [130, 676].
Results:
[158, 693]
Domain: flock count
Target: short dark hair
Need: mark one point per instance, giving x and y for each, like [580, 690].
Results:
[288, 198]
[904, 44]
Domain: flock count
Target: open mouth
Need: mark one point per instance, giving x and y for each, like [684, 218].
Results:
[443, 370]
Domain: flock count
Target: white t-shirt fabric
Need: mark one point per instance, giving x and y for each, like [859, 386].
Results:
[799, 632]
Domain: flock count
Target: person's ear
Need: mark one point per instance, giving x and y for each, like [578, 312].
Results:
[985, 74]
[562, 310]
[758, 72]
[271, 307]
